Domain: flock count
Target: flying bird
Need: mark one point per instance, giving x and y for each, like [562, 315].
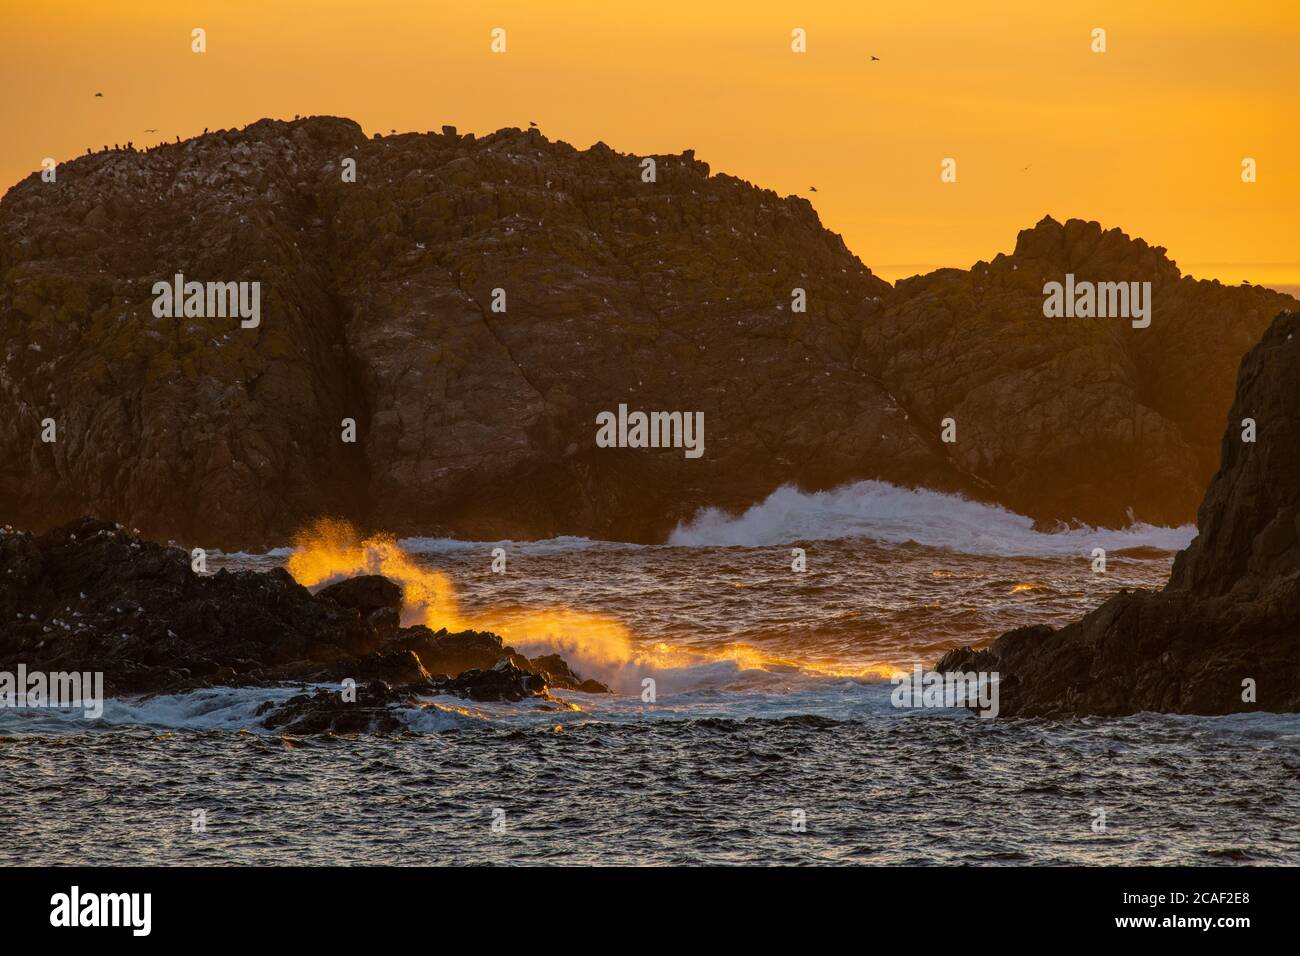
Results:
[875, 59]
[531, 123]
[151, 131]
[99, 94]
[812, 189]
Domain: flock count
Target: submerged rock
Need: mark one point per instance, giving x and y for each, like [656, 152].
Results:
[1224, 635]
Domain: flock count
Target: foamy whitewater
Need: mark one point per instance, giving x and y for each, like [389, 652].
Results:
[772, 696]
[890, 515]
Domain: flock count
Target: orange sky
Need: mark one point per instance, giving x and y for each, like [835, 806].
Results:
[1148, 136]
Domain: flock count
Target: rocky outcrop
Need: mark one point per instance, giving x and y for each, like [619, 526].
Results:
[379, 306]
[1072, 418]
[374, 711]
[1224, 635]
[89, 596]
[503, 682]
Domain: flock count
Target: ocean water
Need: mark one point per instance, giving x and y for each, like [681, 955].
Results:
[771, 737]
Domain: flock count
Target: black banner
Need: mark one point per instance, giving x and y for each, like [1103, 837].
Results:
[1151, 906]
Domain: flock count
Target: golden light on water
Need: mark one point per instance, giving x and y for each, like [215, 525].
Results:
[330, 549]
[596, 644]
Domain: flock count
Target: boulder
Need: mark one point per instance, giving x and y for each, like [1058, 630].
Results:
[504, 682]
[366, 594]
[326, 712]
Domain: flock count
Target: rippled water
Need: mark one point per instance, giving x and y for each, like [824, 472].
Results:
[918, 789]
[771, 705]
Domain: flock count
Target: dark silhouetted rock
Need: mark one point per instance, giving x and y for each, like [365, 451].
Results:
[442, 652]
[366, 593]
[557, 672]
[376, 305]
[504, 682]
[374, 597]
[1230, 614]
[326, 712]
[89, 596]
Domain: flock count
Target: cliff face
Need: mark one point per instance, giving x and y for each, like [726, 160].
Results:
[1231, 611]
[1064, 418]
[377, 306]
[190, 427]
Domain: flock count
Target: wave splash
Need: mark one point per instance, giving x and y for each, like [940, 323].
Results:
[888, 514]
[595, 644]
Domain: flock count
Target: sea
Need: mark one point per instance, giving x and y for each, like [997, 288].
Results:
[753, 660]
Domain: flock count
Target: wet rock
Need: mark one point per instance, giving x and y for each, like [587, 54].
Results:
[392, 667]
[557, 672]
[366, 594]
[373, 596]
[326, 711]
[442, 652]
[138, 612]
[504, 682]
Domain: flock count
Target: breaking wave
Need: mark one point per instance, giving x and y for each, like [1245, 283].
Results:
[888, 514]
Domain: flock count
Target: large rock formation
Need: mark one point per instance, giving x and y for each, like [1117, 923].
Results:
[1229, 619]
[377, 304]
[1072, 418]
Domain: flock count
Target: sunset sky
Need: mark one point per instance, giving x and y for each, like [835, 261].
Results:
[1148, 136]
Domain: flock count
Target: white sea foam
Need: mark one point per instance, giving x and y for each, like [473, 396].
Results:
[241, 557]
[886, 513]
[216, 708]
[872, 510]
[229, 709]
